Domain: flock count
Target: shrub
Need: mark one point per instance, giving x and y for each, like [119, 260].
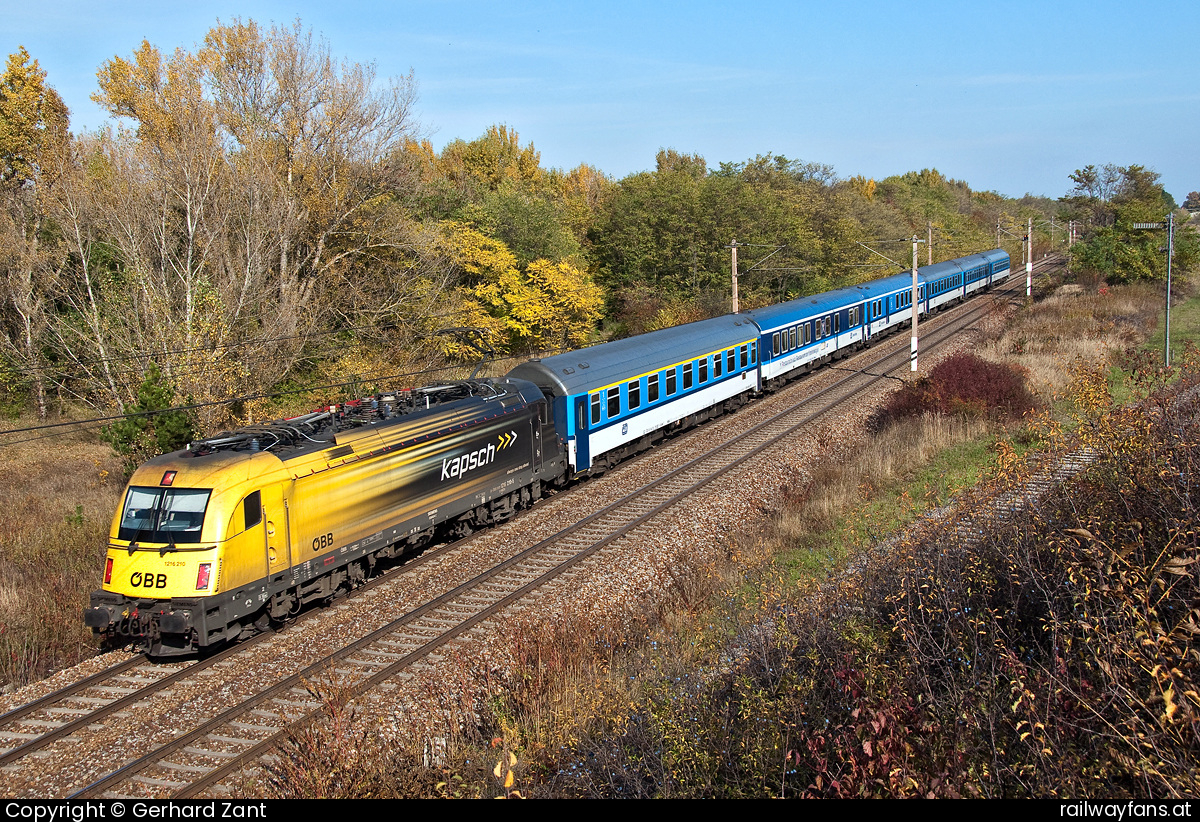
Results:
[962, 384]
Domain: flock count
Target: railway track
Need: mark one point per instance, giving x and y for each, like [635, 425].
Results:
[184, 762]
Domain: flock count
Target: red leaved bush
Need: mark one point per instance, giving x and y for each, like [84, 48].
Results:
[963, 384]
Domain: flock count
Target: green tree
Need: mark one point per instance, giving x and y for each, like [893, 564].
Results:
[150, 427]
[1110, 201]
[663, 236]
[653, 231]
[963, 220]
[533, 227]
[497, 185]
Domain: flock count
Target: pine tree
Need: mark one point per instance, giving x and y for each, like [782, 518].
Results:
[149, 427]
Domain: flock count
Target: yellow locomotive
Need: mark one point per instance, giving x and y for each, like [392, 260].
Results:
[236, 531]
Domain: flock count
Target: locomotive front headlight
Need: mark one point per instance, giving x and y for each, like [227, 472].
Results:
[202, 576]
[108, 571]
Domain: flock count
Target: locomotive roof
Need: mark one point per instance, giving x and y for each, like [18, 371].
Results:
[359, 424]
[578, 372]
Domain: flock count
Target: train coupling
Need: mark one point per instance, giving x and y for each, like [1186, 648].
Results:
[99, 617]
[154, 626]
[106, 611]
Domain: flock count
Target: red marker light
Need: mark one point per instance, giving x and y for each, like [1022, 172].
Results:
[108, 571]
[168, 477]
[202, 576]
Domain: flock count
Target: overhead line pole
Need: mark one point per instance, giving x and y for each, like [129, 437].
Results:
[1170, 252]
[916, 302]
[916, 293]
[1169, 225]
[1029, 260]
[733, 247]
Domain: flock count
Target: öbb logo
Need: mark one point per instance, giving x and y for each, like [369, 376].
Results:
[148, 580]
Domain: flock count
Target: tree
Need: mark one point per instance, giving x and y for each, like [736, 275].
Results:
[33, 120]
[151, 427]
[250, 203]
[652, 231]
[583, 190]
[1112, 201]
[662, 237]
[1090, 201]
[490, 161]
[1192, 201]
[544, 305]
[170, 190]
[498, 186]
[1139, 184]
[532, 227]
[34, 157]
[326, 136]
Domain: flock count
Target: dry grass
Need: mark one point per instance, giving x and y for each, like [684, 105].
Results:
[1078, 322]
[57, 497]
[887, 460]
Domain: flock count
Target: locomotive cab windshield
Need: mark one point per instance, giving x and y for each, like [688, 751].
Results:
[163, 515]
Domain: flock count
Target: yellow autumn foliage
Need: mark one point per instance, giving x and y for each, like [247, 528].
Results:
[493, 159]
[545, 305]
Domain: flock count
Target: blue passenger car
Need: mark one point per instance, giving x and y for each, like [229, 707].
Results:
[620, 397]
[954, 279]
[797, 336]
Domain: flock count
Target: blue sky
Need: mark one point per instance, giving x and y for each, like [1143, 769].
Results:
[1008, 96]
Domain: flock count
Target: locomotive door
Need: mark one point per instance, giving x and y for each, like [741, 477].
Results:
[537, 436]
[278, 543]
